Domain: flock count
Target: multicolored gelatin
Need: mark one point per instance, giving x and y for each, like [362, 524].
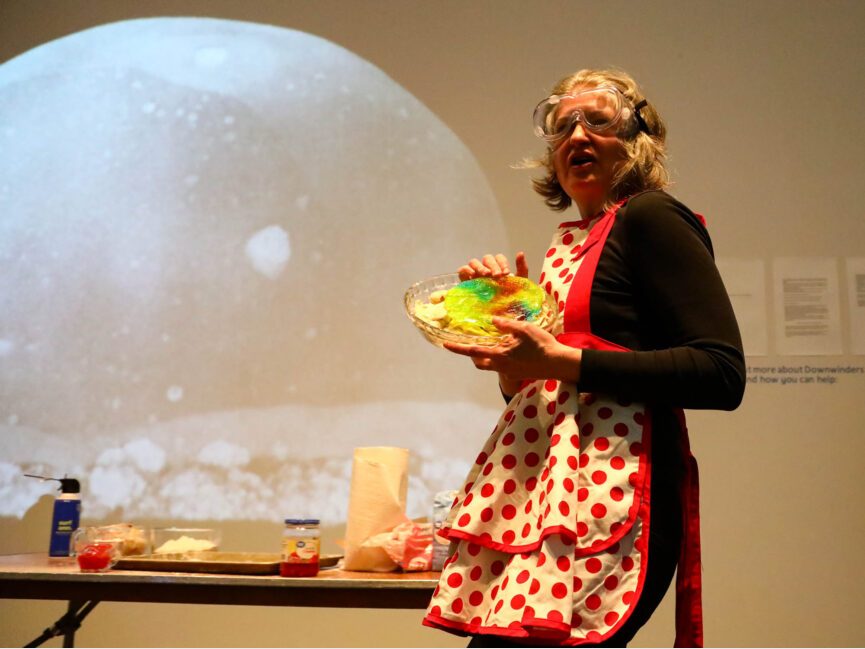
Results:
[471, 305]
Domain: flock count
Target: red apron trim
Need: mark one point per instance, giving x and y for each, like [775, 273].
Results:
[582, 224]
[451, 534]
[689, 601]
[576, 317]
[581, 340]
[540, 628]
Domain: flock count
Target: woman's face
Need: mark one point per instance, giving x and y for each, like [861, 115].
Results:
[585, 162]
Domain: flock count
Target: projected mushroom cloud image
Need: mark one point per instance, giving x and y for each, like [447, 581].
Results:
[206, 228]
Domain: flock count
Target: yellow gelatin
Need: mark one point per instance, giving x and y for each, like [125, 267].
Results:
[471, 305]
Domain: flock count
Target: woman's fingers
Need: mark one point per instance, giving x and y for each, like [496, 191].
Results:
[489, 266]
[475, 268]
[480, 269]
[494, 263]
[509, 325]
[493, 266]
[502, 262]
[522, 265]
[466, 272]
[475, 351]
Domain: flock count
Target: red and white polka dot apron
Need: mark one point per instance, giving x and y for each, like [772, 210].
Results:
[552, 525]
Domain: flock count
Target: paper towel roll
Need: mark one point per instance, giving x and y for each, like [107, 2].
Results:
[379, 482]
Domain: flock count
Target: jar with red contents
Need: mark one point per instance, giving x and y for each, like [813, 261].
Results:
[97, 557]
[300, 547]
[93, 550]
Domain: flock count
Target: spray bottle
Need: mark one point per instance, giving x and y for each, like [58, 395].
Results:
[67, 515]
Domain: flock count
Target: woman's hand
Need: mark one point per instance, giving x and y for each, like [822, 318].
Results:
[493, 266]
[526, 353]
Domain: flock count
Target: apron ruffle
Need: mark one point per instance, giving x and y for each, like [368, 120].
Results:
[549, 467]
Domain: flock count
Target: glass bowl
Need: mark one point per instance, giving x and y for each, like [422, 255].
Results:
[420, 293]
[94, 550]
[183, 542]
[133, 540]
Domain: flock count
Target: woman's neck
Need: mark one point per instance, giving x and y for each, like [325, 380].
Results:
[589, 210]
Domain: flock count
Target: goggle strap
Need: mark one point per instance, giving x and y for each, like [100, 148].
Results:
[643, 126]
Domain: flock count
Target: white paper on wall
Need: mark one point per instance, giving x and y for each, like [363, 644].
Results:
[807, 307]
[856, 301]
[745, 280]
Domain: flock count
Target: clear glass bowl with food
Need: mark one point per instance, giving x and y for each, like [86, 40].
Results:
[444, 309]
[133, 539]
[183, 542]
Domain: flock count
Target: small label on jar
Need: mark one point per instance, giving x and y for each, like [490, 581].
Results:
[300, 550]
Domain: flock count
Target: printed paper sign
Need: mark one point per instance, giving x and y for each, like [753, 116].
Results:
[807, 309]
[856, 295]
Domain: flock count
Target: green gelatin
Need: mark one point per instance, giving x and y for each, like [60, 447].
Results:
[472, 305]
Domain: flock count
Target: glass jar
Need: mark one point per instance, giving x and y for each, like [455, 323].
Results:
[300, 548]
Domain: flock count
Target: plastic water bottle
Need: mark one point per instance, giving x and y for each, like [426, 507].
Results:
[441, 507]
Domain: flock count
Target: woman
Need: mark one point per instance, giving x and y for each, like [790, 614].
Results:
[584, 498]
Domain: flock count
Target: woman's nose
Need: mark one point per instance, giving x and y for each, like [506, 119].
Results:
[578, 132]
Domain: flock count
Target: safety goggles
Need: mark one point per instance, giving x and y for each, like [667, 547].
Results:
[598, 109]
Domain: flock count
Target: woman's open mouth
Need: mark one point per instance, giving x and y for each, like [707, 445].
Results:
[581, 159]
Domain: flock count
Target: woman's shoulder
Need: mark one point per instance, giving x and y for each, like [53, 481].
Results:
[656, 201]
[656, 213]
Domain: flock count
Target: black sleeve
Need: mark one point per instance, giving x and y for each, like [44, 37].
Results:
[694, 358]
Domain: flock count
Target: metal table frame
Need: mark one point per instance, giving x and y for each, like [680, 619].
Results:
[31, 576]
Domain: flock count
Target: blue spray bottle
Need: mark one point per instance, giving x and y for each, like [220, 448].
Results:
[67, 515]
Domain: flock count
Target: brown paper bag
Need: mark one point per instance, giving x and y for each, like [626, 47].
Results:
[379, 482]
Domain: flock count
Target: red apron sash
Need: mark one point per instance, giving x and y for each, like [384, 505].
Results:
[689, 581]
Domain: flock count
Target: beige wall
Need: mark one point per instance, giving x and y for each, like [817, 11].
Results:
[763, 101]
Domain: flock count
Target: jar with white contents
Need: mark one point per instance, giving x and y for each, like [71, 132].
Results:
[300, 547]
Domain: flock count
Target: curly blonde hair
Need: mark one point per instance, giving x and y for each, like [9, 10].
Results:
[645, 153]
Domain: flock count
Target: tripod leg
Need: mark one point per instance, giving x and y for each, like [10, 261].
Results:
[73, 619]
[67, 628]
[67, 624]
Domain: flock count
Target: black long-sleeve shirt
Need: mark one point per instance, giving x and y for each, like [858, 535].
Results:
[657, 291]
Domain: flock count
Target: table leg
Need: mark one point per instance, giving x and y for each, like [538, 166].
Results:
[67, 625]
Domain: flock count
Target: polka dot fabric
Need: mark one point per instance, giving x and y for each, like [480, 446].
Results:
[561, 263]
[551, 523]
[546, 594]
[613, 455]
[557, 462]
